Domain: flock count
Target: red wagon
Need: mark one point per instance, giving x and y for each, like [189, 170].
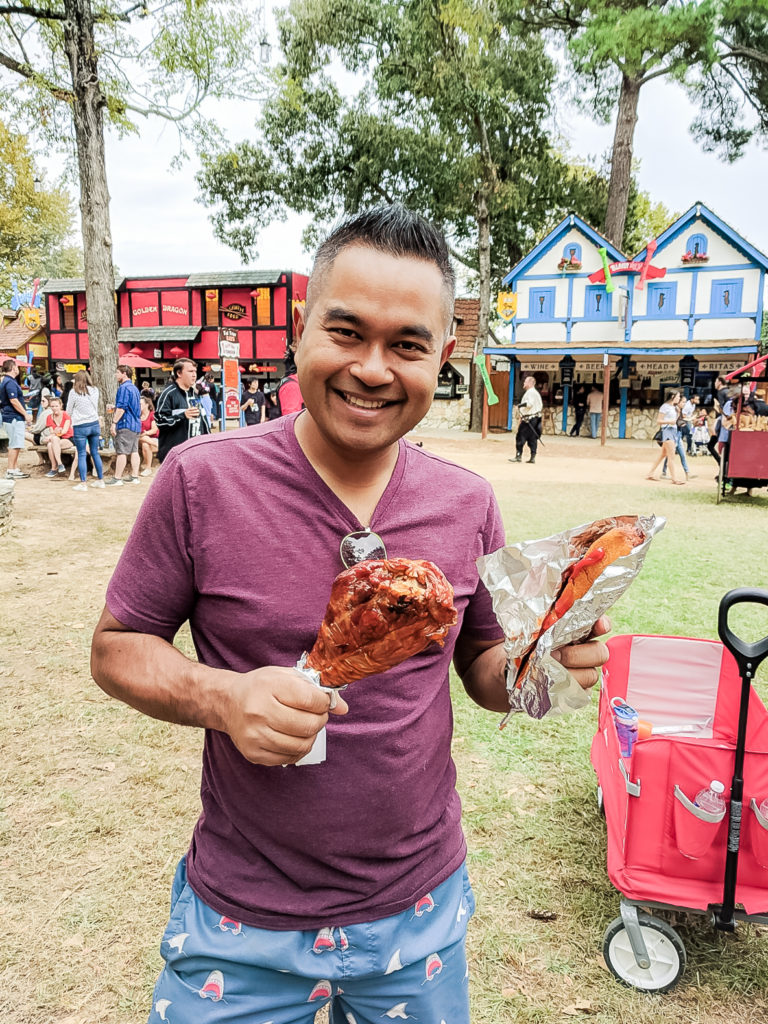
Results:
[663, 850]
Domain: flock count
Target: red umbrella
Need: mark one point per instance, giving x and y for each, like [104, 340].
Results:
[132, 359]
[176, 351]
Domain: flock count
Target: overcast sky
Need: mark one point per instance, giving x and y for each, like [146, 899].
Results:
[158, 227]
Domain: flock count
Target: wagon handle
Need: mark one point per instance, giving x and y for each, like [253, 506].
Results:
[747, 655]
[748, 658]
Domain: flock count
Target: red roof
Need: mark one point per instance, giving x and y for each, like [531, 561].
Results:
[14, 334]
[467, 314]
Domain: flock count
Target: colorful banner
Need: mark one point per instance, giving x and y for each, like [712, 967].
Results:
[493, 398]
[606, 269]
[506, 306]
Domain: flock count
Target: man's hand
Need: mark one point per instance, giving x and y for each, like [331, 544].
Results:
[113, 430]
[274, 714]
[585, 658]
[192, 412]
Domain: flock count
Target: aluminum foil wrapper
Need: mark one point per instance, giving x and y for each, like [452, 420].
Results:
[523, 581]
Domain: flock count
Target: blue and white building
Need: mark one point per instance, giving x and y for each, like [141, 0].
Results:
[684, 309]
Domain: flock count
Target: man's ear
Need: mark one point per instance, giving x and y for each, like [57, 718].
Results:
[447, 352]
[299, 323]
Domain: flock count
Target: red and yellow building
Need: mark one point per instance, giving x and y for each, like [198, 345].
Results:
[165, 318]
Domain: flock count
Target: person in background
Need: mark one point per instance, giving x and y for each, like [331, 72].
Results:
[177, 413]
[529, 427]
[688, 413]
[701, 433]
[68, 385]
[271, 407]
[206, 404]
[213, 391]
[148, 435]
[83, 409]
[667, 421]
[60, 437]
[595, 406]
[126, 427]
[15, 418]
[34, 433]
[721, 393]
[678, 446]
[579, 409]
[57, 387]
[252, 404]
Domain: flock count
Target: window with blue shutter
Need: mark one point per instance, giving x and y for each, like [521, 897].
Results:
[572, 252]
[726, 297]
[696, 245]
[662, 299]
[541, 304]
[597, 303]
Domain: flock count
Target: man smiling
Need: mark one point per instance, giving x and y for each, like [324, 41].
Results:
[339, 881]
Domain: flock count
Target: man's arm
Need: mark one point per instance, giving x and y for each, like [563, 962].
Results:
[482, 666]
[271, 714]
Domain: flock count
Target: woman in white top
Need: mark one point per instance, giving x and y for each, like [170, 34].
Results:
[83, 407]
[667, 421]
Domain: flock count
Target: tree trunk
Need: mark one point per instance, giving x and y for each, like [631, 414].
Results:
[621, 160]
[484, 266]
[87, 116]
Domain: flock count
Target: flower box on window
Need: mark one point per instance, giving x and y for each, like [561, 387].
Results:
[694, 257]
[566, 265]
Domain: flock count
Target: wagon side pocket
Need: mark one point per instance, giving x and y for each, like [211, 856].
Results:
[758, 834]
[695, 829]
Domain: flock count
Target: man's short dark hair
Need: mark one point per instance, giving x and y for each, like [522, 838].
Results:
[8, 365]
[391, 229]
[127, 370]
[178, 366]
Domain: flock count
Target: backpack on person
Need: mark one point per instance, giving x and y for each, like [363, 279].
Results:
[291, 382]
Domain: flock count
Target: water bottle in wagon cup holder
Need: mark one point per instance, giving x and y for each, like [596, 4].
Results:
[711, 798]
[626, 719]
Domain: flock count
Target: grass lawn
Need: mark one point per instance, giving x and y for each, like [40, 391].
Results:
[97, 803]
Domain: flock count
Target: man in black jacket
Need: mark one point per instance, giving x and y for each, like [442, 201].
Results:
[177, 416]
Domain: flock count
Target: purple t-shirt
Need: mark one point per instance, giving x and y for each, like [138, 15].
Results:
[240, 535]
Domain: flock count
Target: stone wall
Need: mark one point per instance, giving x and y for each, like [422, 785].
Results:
[448, 413]
[6, 505]
[641, 424]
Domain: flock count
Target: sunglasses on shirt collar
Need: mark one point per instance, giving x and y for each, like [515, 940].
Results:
[360, 545]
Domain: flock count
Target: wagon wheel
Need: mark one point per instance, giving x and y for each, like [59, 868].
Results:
[665, 952]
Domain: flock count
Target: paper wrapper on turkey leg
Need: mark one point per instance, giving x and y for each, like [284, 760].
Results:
[381, 611]
[542, 602]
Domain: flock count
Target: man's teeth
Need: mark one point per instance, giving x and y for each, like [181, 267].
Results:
[362, 403]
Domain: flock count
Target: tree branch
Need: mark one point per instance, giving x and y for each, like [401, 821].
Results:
[45, 14]
[34, 12]
[464, 260]
[655, 74]
[27, 72]
[744, 51]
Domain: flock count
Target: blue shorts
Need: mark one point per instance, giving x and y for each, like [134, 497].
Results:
[411, 966]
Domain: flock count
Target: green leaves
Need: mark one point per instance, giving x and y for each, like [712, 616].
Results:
[35, 222]
[428, 103]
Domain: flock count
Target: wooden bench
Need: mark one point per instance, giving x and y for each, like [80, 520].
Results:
[41, 450]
